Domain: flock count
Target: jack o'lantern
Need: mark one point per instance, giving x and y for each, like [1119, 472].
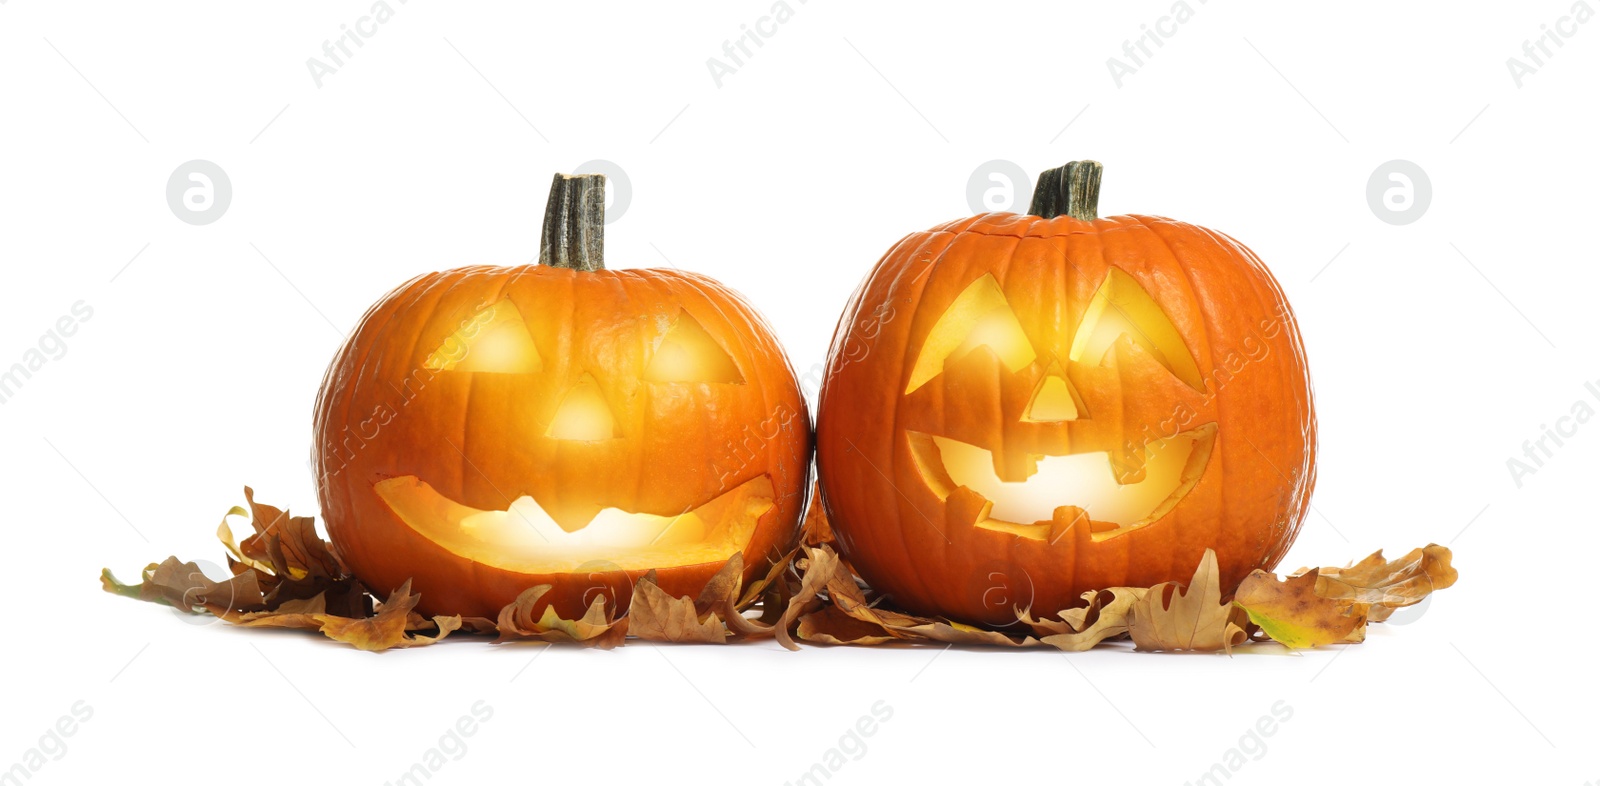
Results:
[1021, 408]
[489, 429]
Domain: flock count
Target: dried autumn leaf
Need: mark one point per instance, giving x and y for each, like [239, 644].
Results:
[1292, 612]
[767, 583]
[845, 595]
[1386, 585]
[443, 626]
[385, 630]
[182, 585]
[479, 625]
[302, 614]
[723, 588]
[1106, 616]
[595, 628]
[285, 576]
[291, 561]
[722, 597]
[822, 563]
[1171, 618]
[774, 601]
[816, 530]
[225, 534]
[654, 615]
[832, 626]
[958, 633]
[289, 544]
[388, 629]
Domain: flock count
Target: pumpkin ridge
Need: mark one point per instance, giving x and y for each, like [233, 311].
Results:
[894, 447]
[1219, 449]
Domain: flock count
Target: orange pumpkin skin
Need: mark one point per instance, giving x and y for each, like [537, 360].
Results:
[480, 439]
[925, 551]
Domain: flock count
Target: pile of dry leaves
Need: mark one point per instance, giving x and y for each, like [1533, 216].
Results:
[286, 576]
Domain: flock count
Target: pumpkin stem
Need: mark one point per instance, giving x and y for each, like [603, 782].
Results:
[1071, 190]
[574, 235]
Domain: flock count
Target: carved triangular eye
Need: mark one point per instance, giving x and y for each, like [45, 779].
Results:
[1121, 307]
[979, 316]
[688, 353]
[494, 340]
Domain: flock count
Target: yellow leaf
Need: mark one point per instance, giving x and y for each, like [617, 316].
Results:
[1292, 612]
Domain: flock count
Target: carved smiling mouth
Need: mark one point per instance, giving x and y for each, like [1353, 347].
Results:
[1111, 503]
[526, 539]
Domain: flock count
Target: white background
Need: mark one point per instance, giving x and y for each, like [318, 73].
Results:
[1437, 348]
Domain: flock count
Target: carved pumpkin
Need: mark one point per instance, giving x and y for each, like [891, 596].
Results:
[489, 429]
[1021, 408]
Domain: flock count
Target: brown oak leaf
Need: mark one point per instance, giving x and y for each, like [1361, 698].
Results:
[390, 628]
[846, 595]
[654, 615]
[595, 628]
[289, 544]
[815, 530]
[831, 625]
[1386, 585]
[957, 633]
[182, 585]
[1105, 617]
[1172, 618]
[821, 565]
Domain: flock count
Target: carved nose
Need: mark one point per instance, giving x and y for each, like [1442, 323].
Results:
[1054, 399]
[583, 414]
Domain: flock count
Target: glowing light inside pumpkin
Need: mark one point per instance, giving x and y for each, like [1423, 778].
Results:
[1090, 481]
[527, 539]
[1087, 484]
[583, 414]
[1054, 399]
[494, 340]
[979, 317]
[1121, 307]
[687, 353]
